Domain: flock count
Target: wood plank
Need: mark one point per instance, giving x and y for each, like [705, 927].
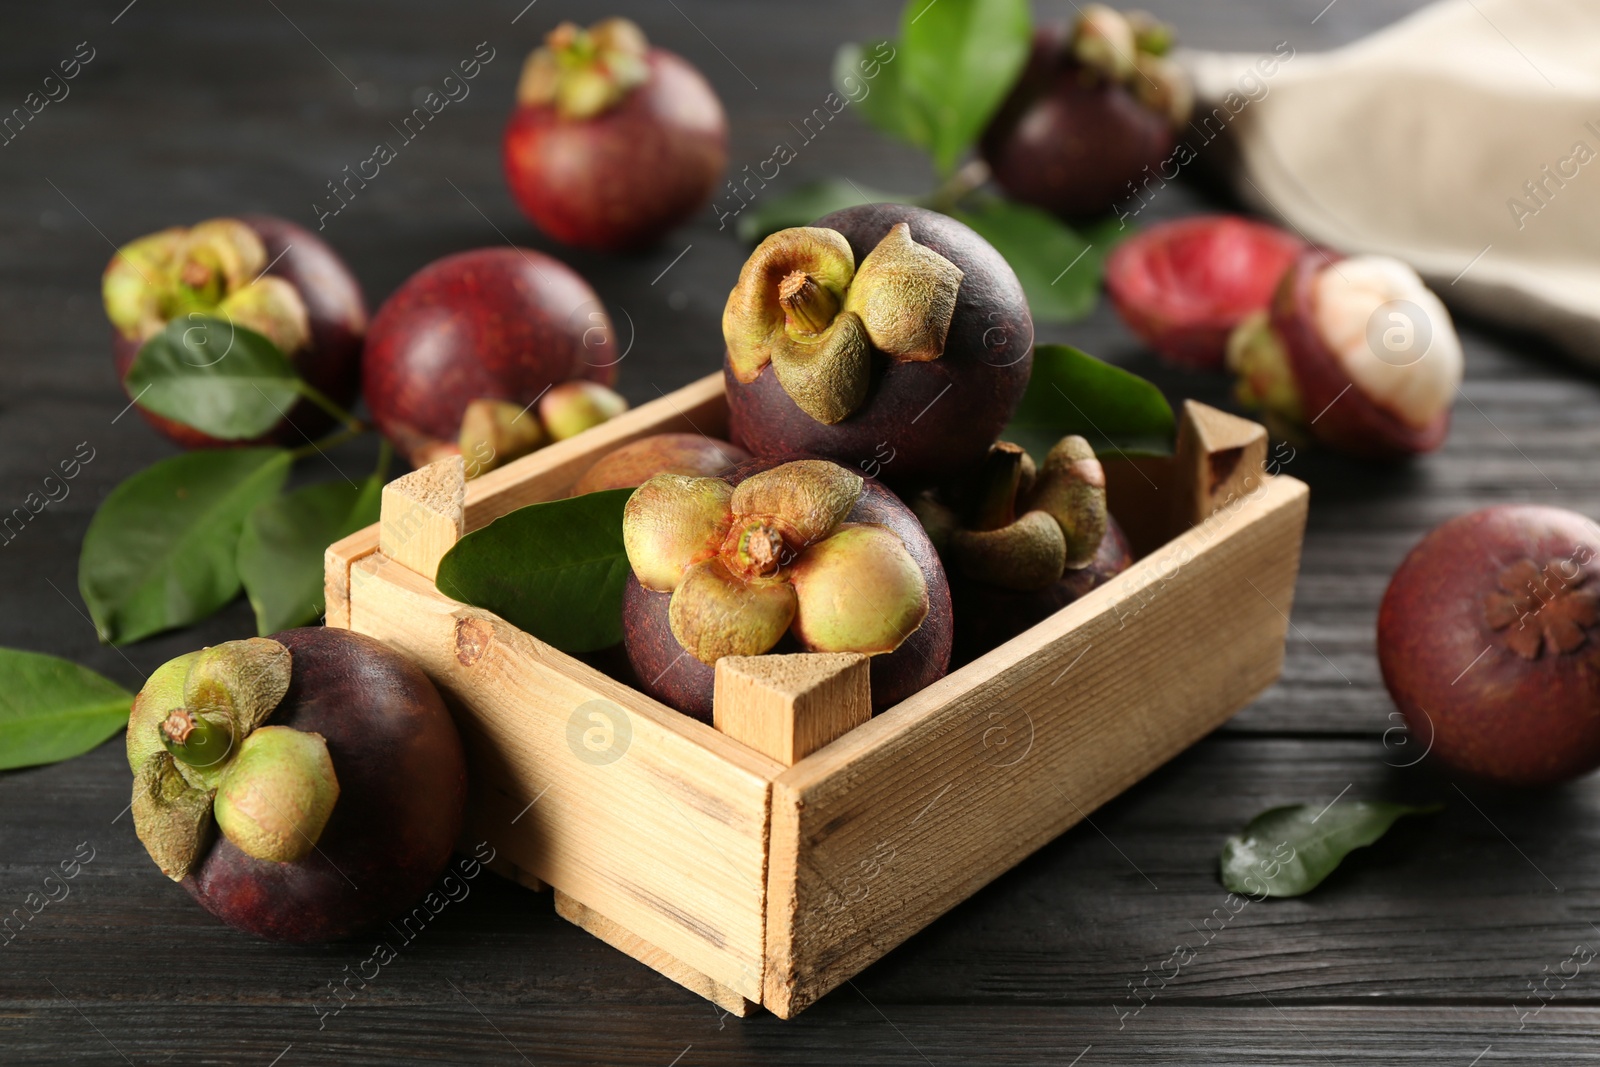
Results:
[421, 515]
[643, 814]
[1218, 457]
[551, 472]
[469, 1024]
[1417, 947]
[662, 963]
[1443, 910]
[1007, 759]
[1138, 492]
[788, 706]
[336, 562]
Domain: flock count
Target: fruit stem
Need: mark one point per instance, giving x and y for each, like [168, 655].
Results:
[760, 551]
[319, 398]
[808, 306]
[957, 186]
[195, 740]
[998, 481]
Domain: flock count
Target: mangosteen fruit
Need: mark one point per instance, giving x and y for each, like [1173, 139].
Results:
[1489, 641]
[613, 142]
[256, 271]
[1094, 108]
[302, 787]
[1184, 286]
[881, 328]
[1020, 542]
[664, 453]
[784, 554]
[1355, 352]
[460, 354]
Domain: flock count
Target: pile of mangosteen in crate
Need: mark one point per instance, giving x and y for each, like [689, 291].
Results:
[892, 515]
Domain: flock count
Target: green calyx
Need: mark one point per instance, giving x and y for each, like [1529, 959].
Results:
[1022, 529]
[1131, 49]
[803, 305]
[200, 753]
[213, 269]
[772, 556]
[1264, 377]
[584, 73]
[277, 794]
[494, 432]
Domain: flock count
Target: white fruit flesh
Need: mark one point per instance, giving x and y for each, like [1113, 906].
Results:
[1407, 366]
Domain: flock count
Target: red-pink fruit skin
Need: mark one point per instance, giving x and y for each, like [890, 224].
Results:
[331, 362]
[501, 323]
[1070, 143]
[402, 795]
[1183, 286]
[622, 179]
[670, 674]
[1340, 415]
[921, 422]
[1499, 717]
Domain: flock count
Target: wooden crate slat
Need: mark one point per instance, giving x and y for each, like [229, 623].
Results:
[551, 472]
[625, 940]
[889, 827]
[668, 839]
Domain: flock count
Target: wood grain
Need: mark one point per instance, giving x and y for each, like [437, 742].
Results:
[551, 472]
[787, 707]
[1218, 458]
[651, 818]
[1414, 951]
[625, 940]
[421, 515]
[955, 785]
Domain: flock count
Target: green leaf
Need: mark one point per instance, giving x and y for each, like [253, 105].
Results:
[52, 710]
[555, 570]
[1072, 392]
[807, 204]
[882, 96]
[1059, 268]
[161, 551]
[216, 376]
[958, 59]
[1287, 851]
[281, 548]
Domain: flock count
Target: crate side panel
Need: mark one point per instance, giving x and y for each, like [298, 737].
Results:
[884, 831]
[336, 562]
[699, 407]
[651, 819]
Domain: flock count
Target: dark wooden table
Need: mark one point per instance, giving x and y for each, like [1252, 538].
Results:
[1421, 949]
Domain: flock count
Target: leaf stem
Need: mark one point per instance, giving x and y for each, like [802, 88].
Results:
[355, 428]
[319, 398]
[385, 454]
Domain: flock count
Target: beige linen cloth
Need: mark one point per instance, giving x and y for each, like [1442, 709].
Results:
[1464, 140]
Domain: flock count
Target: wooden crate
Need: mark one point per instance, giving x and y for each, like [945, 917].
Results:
[772, 874]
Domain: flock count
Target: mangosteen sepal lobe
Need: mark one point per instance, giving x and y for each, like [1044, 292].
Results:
[1540, 608]
[190, 720]
[804, 306]
[171, 817]
[585, 72]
